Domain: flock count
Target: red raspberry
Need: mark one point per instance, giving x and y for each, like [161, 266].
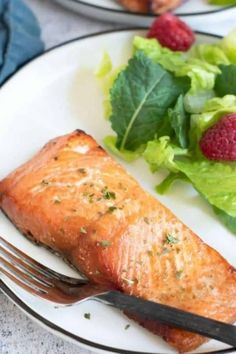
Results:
[172, 33]
[219, 141]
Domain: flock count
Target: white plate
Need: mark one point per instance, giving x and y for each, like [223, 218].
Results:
[55, 94]
[197, 13]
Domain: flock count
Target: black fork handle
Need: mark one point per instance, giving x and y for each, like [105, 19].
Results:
[171, 316]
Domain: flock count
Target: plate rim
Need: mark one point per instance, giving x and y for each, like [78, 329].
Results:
[131, 13]
[6, 289]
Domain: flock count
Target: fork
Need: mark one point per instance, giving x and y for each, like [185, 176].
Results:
[50, 285]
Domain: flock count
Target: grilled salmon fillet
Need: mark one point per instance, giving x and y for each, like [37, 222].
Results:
[154, 6]
[74, 198]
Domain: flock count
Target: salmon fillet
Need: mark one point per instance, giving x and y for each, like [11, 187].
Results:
[74, 198]
[154, 6]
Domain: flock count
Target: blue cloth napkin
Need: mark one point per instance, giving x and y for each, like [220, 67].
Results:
[19, 36]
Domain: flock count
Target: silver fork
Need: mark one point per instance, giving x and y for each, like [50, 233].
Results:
[50, 285]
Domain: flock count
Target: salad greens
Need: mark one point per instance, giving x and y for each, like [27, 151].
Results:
[161, 103]
[229, 46]
[222, 2]
[142, 92]
[179, 121]
[225, 81]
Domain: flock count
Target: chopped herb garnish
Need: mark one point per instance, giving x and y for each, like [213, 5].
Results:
[56, 200]
[165, 251]
[111, 209]
[87, 315]
[178, 274]
[127, 326]
[105, 243]
[83, 230]
[108, 194]
[90, 197]
[170, 239]
[82, 171]
[146, 220]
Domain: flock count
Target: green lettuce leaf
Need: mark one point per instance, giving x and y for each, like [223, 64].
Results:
[194, 103]
[127, 155]
[167, 182]
[215, 181]
[227, 220]
[179, 120]
[140, 98]
[222, 2]
[106, 76]
[210, 53]
[225, 83]
[229, 45]
[170, 60]
[105, 66]
[161, 153]
[202, 74]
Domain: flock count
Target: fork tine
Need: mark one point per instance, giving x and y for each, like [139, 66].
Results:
[40, 267]
[19, 263]
[24, 277]
[22, 284]
[61, 294]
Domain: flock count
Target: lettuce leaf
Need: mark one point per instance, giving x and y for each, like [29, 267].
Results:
[229, 44]
[226, 81]
[161, 153]
[194, 103]
[179, 121]
[127, 155]
[215, 181]
[210, 53]
[165, 57]
[227, 220]
[202, 74]
[106, 76]
[222, 2]
[166, 184]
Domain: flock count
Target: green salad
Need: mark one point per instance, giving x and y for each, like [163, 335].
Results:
[160, 104]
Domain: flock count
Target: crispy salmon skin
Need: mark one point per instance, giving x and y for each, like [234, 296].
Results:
[73, 197]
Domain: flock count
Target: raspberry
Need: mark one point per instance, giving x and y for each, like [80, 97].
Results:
[172, 33]
[219, 141]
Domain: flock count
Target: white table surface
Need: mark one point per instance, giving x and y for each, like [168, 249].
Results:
[18, 334]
